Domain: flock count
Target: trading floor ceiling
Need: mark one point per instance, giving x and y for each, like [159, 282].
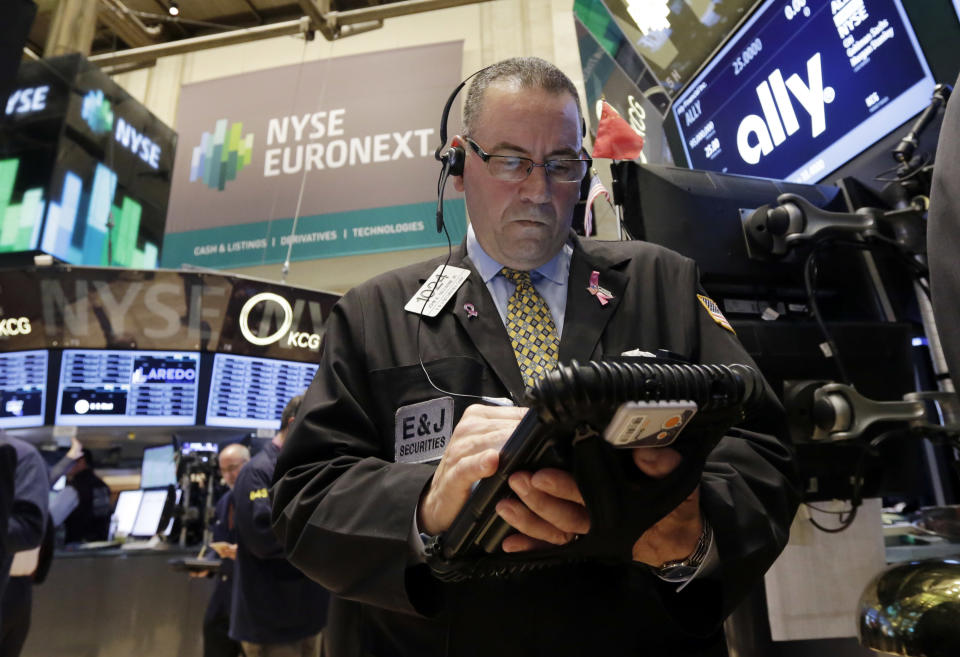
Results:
[128, 24]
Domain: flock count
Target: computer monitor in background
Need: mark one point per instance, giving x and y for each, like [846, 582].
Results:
[802, 88]
[697, 214]
[125, 513]
[150, 513]
[159, 467]
[250, 392]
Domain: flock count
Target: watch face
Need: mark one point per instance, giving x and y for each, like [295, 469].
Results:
[677, 573]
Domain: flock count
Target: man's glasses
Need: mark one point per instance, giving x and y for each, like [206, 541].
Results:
[513, 168]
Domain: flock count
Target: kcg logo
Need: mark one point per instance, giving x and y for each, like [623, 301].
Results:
[779, 119]
[15, 326]
[221, 155]
[275, 307]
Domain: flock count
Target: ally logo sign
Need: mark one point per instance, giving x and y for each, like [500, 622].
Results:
[96, 112]
[221, 155]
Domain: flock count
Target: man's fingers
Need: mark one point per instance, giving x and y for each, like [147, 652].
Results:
[566, 516]
[527, 522]
[557, 483]
[523, 543]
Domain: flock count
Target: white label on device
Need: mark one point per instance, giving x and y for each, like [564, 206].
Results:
[648, 424]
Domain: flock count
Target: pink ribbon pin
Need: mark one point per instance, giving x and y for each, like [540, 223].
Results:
[471, 311]
[603, 295]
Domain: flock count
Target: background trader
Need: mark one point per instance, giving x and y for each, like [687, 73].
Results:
[277, 611]
[216, 620]
[342, 492]
[25, 532]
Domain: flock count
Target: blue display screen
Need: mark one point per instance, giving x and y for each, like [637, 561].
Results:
[252, 392]
[23, 388]
[802, 88]
[127, 388]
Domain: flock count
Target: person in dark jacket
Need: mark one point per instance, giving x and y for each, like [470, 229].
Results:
[277, 611]
[360, 495]
[216, 621]
[90, 520]
[8, 466]
[25, 532]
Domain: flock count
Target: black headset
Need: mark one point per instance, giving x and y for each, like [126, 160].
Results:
[452, 159]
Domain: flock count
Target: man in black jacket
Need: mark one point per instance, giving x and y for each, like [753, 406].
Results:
[276, 610]
[358, 483]
[216, 620]
[25, 532]
[90, 520]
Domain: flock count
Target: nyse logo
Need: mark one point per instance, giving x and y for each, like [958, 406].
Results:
[758, 136]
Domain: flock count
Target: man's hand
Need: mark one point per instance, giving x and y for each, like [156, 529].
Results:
[675, 535]
[550, 510]
[76, 449]
[199, 573]
[225, 550]
[473, 453]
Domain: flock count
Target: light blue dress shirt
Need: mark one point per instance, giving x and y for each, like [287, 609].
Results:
[550, 279]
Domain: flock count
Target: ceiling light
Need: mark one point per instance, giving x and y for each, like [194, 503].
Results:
[173, 8]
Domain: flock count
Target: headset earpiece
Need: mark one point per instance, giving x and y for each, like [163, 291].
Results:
[453, 159]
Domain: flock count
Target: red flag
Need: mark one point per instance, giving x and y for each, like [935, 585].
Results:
[615, 138]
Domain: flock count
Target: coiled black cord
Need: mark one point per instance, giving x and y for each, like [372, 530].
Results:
[576, 393]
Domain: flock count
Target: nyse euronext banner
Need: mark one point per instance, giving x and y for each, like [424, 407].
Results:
[349, 141]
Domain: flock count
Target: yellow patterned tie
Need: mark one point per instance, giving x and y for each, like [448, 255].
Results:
[531, 328]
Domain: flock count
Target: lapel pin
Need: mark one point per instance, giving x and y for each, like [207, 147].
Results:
[471, 311]
[603, 294]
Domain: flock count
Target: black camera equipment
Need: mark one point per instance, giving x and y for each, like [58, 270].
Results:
[197, 472]
[569, 426]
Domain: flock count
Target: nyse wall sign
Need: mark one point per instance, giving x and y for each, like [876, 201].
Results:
[86, 307]
[353, 162]
[804, 87]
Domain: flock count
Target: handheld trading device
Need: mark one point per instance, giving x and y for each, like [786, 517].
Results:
[580, 419]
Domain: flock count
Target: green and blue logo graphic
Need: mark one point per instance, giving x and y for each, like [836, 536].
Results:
[221, 155]
[96, 112]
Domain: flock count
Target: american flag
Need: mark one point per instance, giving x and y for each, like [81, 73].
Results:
[596, 189]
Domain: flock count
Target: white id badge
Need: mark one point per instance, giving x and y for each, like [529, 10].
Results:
[444, 283]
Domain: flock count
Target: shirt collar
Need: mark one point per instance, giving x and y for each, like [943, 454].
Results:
[557, 269]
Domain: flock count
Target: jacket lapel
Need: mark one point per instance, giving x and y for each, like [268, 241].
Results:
[587, 318]
[486, 330]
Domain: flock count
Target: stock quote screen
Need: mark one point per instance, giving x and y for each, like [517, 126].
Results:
[127, 388]
[249, 392]
[23, 386]
[802, 88]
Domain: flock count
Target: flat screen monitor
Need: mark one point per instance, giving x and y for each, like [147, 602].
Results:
[802, 88]
[251, 392]
[675, 38]
[147, 522]
[159, 468]
[125, 513]
[23, 388]
[697, 214]
[127, 388]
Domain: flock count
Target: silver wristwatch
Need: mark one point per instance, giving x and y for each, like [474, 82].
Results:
[680, 570]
